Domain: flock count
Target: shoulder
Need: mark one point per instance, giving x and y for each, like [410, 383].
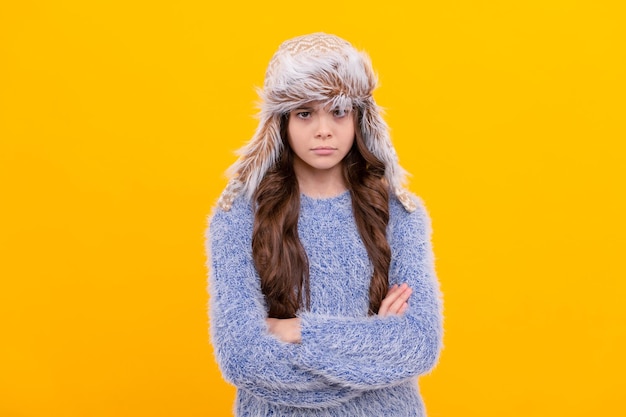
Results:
[403, 221]
[238, 218]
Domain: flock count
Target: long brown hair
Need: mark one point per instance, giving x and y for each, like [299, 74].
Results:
[278, 254]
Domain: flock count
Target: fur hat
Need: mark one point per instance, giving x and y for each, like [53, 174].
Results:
[313, 68]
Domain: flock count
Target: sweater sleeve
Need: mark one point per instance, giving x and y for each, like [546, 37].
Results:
[381, 351]
[248, 356]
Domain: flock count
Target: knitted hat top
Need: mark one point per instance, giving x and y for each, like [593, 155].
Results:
[317, 68]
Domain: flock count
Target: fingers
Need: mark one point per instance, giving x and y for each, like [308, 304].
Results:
[287, 330]
[395, 302]
[271, 325]
[403, 308]
[384, 305]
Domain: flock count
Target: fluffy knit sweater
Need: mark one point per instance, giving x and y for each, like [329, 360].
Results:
[348, 363]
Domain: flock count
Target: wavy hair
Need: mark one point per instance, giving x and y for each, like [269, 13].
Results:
[278, 254]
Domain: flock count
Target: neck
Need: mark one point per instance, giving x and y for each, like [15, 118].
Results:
[320, 183]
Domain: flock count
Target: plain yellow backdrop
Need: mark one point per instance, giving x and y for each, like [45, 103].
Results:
[118, 118]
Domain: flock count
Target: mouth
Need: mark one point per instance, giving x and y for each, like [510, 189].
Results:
[323, 150]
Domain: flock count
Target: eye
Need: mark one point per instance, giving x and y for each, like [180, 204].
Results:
[339, 113]
[303, 114]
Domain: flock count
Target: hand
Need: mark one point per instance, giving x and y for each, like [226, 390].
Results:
[395, 302]
[286, 330]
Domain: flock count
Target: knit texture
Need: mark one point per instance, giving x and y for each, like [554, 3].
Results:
[349, 363]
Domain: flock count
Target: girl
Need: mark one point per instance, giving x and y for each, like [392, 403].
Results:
[324, 300]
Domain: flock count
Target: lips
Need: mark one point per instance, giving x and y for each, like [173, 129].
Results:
[323, 150]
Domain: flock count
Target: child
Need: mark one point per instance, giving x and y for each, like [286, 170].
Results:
[323, 297]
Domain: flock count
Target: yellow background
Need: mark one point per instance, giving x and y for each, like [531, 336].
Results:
[118, 118]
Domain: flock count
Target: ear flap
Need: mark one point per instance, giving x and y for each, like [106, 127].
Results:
[376, 137]
[232, 190]
[255, 159]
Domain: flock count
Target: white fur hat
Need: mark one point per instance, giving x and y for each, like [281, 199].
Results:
[313, 68]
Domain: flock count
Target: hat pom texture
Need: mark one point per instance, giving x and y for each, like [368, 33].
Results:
[319, 68]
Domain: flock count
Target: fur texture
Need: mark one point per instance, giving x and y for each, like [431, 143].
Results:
[313, 68]
[349, 363]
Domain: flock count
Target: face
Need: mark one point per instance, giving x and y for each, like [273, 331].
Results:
[320, 138]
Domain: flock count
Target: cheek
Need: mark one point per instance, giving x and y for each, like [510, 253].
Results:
[292, 140]
[350, 133]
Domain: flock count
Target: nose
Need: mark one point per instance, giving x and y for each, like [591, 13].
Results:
[324, 130]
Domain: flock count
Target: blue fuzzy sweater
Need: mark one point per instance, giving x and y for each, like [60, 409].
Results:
[349, 363]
